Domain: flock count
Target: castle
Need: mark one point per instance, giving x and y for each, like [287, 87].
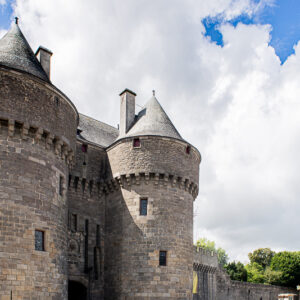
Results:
[89, 211]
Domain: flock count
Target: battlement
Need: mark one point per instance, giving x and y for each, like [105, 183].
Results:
[24, 131]
[126, 180]
[203, 257]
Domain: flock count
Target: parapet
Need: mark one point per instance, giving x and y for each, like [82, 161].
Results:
[205, 257]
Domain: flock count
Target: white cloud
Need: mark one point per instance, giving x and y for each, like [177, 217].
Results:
[2, 2]
[237, 104]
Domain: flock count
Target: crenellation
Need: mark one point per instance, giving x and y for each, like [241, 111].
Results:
[88, 211]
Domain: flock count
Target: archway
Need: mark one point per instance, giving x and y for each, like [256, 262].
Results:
[76, 291]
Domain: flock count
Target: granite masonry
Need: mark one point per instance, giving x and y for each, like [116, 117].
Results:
[89, 211]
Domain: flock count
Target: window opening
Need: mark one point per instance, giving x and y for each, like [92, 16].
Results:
[74, 222]
[136, 143]
[39, 240]
[57, 101]
[188, 149]
[98, 236]
[61, 185]
[143, 206]
[84, 148]
[162, 258]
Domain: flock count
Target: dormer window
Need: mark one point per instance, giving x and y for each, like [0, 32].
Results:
[188, 149]
[136, 143]
[84, 148]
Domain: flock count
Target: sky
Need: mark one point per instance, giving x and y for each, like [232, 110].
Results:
[227, 72]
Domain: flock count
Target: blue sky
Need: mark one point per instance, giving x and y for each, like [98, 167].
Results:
[284, 16]
[6, 11]
[228, 102]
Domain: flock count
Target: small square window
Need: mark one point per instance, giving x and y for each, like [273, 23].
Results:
[162, 258]
[143, 206]
[84, 148]
[39, 240]
[136, 143]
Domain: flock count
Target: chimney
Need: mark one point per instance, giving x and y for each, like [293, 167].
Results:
[127, 110]
[44, 57]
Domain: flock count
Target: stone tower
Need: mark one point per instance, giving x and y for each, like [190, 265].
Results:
[149, 220]
[37, 141]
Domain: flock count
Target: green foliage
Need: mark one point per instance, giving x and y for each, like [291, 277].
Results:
[262, 256]
[211, 246]
[288, 263]
[222, 256]
[272, 276]
[255, 273]
[265, 265]
[206, 244]
[236, 271]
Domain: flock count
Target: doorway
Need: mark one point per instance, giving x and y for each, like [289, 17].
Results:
[76, 291]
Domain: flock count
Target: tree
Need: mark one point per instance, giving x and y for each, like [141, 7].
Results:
[262, 256]
[222, 256]
[237, 271]
[255, 273]
[288, 263]
[206, 244]
[211, 246]
[272, 276]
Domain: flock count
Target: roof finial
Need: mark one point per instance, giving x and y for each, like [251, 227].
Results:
[153, 92]
[17, 20]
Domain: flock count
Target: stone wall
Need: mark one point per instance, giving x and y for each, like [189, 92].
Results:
[34, 161]
[86, 202]
[133, 241]
[211, 282]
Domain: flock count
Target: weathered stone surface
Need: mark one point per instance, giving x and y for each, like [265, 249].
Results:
[29, 190]
[133, 241]
[213, 283]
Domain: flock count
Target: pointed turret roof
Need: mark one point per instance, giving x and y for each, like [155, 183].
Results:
[16, 53]
[153, 120]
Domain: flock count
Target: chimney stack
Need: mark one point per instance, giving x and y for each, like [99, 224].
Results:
[44, 57]
[127, 110]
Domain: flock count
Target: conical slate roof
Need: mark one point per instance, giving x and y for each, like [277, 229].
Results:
[152, 120]
[16, 53]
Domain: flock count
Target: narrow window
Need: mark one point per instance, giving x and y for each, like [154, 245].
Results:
[39, 240]
[84, 148]
[143, 206]
[162, 258]
[98, 236]
[86, 246]
[73, 222]
[61, 189]
[188, 149]
[96, 263]
[136, 143]
[57, 101]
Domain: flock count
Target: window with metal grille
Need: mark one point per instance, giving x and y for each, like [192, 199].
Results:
[162, 258]
[136, 143]
[39, 240]
[143, 206]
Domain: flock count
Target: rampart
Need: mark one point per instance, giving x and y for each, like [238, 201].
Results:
[211, 282]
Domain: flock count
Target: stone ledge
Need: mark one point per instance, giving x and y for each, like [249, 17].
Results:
[59, 145]
[127, 180]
